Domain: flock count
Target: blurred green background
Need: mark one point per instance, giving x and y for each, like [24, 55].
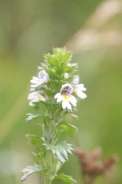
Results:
[92, 30]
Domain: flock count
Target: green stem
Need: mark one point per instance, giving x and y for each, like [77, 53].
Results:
[47, 179]
[48, 165]
[48, 154]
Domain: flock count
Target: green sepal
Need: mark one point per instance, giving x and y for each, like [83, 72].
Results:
[59, 82]
[68, 128]
[51, 72]
[48, 90]
[33, 139]
[67, 179]
[69, 69]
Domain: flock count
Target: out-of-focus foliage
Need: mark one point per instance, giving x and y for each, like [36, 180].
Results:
[93, 31]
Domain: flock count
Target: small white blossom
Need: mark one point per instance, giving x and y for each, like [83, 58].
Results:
[66, 97]
[66, 76]
[42, 78]
[78, 88]
[72, 64]
[35, 96]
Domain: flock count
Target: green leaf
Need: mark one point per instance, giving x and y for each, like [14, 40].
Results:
[29, 170]
[70, 129]
[67, 179]
[40, 159]
[33, 139]
[74, 116]
[39, 156]
[60, 150]
[32, 116]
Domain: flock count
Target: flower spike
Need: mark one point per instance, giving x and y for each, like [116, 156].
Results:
[51, 93]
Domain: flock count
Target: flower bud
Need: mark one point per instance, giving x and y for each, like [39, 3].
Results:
[66, 76]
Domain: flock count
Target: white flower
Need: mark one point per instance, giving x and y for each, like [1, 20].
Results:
[66, 76]
[66, 97]
[78, 88]
[35, 96]
[42, 78]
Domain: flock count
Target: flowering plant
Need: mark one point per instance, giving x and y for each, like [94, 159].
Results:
[52, 92]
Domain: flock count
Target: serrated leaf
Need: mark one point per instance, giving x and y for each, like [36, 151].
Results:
[67, 179]
[60, 150]
[32, 116]
[29, 170]
[33, 139]
[70, 129]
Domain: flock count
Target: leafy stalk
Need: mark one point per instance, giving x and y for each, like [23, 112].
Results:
[51, 95]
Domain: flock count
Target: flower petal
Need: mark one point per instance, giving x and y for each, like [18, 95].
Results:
[81, 94]
[36, 96]
[34, 80]
[73, 100]
[68, 105]
[80, 87]
[60, 98]
[64, 104]
[57, 95]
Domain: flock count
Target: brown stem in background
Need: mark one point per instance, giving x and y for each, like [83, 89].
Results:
[91, 180]
[92, 167]
[84, 179]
